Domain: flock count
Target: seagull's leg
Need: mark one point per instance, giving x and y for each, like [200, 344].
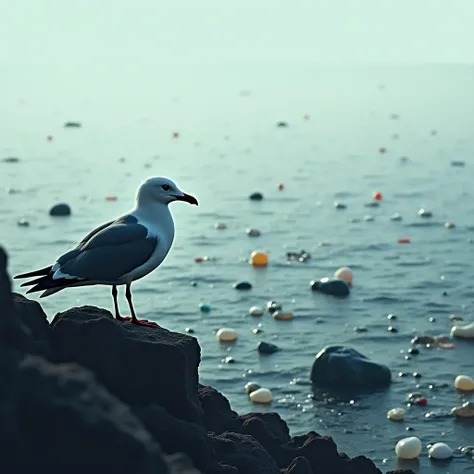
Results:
[140, 322]
[117, 312]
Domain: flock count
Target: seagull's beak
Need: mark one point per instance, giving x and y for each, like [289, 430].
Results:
[187, 198]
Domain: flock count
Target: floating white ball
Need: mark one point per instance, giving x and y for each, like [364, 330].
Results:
[262, 395]
[466, 331]
[440, 451]
[227, 335]
[396, 414]
[256, 311]
[408, 448]
[464, 383]
[344, 273]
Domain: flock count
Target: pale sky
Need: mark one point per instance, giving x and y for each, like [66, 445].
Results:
[247, 31]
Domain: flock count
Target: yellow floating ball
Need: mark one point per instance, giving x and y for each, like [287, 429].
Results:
[259, 259]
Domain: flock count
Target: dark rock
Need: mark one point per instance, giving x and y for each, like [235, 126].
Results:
[175, 435]
[218, 416]
[344, 366]
[60, 209]
[401, 471]
[267, 348]
[243, 452]
[57, 419]
[141, 365]
[458, 163]
[11, 159]
[242, 285]
[256, 197]
[72, 125]
[179, 463]
[33, 318]
[299, 465]
[363, 464]
[282, 124]
[331, 286]
[13, 333]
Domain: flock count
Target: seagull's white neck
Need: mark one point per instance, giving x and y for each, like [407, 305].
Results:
[156, 215]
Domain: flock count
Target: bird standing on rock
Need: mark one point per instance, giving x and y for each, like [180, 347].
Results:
[120, 251]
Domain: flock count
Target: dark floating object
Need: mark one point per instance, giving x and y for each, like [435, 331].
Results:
[416, 375]
[256, 197]
[458, 163]
[282, 124]
[190, 330]
[345, 367]
[339, 205]
[11, 159]
[392, 329]
[60, 209]
[424, 213]
[372, 204]
[228, 360]
[331, 286]
[242, 285]
[414, 351]
[72, 125]
[23, 223]
[267, 348]
[272, 306]
[301, 256]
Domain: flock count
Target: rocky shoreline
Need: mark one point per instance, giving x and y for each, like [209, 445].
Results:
[86, 393]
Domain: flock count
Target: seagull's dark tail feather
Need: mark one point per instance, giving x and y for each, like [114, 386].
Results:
[42, 272]
[50, 286]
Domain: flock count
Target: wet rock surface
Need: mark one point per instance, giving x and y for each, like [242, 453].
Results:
[113, 397]
[345, 367]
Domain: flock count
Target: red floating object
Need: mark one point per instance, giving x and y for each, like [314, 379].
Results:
[422, 401]
[382, 149]
[175, 134]
[111, 198]
[281, 187]
[404, 240]
[377, 196]
[199, 259]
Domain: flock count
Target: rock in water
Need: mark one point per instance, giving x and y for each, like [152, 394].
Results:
[60, 210]
[345, 367]
[466, 410]
[256, 197]
[331, 286]
[242, 286]
[162, 364]
[267, 348]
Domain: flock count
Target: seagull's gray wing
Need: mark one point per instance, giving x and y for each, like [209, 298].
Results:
[109, 252]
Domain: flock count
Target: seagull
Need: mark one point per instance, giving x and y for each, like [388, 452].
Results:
[120, 251]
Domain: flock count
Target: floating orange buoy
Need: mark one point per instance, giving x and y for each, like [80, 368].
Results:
[259, 259]
[111, 198]
[49, 138]
[377, 196]
[382, 149]
[175, 134]
[404, 240]
[198, 259]
[281, 187]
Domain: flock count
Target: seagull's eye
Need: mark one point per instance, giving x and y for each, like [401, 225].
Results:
[166, 187]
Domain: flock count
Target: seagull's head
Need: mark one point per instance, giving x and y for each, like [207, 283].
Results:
[164, 191]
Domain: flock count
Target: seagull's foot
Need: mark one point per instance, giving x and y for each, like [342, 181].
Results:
[122, 318]
[144, 322]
